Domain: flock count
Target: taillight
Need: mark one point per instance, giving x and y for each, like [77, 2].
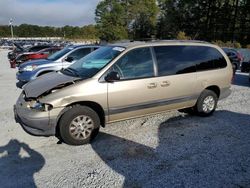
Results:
[30, 56]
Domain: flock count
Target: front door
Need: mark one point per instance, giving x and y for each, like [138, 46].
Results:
[75, 56]
[137, 88]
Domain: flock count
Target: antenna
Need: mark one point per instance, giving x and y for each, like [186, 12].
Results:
[11, 27]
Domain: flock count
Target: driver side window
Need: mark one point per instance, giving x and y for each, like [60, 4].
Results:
[135, 64]
[79, 53]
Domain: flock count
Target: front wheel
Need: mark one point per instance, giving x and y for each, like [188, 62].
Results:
[206, 103]
[79, 125]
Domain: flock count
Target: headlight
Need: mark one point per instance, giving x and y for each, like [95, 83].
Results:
[30, 68]
[40, 106]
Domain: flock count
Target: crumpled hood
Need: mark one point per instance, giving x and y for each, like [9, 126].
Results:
[46, 82]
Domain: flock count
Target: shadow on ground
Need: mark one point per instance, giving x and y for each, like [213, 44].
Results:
[192, 152]
[18, 163]
[241, 79]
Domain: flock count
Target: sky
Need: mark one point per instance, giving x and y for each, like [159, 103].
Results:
[48, 12]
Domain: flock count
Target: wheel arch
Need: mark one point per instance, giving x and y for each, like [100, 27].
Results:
[93, 105]
[44, 72]
[215, 89]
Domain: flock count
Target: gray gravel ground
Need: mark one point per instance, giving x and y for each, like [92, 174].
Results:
[166, 150]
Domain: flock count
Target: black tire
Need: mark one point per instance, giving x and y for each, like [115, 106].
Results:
[201, 109]
[69, 131]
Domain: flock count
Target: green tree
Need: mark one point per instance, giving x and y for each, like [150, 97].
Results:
[70, 32]
[182, 36]
[110, 19]
[119, 19]
[142, 18]
[226, 20]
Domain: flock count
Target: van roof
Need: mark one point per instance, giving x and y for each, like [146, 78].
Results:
[157, 42]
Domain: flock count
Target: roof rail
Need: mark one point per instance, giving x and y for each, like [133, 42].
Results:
[175, 40]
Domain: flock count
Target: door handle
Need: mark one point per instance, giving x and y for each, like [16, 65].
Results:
[165, 84]
[152, 85]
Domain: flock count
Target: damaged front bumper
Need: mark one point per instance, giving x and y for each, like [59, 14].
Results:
[39, 123]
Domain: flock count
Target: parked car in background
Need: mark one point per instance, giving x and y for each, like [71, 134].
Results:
[235, 57]
[19, 49]
[15, 51]
[32, 69]
[124, 81]
[42, 54]
[12, 55]
[245, 66]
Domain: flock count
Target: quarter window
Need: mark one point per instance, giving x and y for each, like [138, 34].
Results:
[186, 59]
[210, 58]
[136, 63]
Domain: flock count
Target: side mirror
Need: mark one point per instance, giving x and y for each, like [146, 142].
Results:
[112, 76]
[69, 59]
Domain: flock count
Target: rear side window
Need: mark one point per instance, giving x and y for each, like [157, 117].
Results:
[174, 60]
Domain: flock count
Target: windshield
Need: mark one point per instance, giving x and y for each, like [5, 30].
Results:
[89, 65]
[59, 54]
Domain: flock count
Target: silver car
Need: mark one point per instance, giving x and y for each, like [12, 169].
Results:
[62, 59]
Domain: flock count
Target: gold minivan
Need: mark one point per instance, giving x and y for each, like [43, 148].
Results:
[124, 81]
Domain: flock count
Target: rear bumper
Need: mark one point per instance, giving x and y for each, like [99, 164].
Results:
[12, 64]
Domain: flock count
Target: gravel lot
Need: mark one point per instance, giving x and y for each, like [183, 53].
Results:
[166, 150]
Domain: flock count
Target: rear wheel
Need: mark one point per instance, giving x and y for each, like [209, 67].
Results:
[206, 103]
[79, 125]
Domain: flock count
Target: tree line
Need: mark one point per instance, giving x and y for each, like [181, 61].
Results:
[68, 32]
[210, 20]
